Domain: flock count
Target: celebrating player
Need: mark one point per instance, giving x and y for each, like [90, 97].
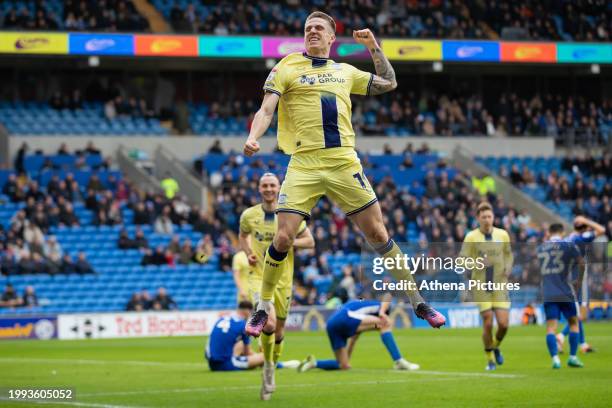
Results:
[585, 232]
[257, 228]
[493, 246]
[314, 126]
[346, 324]
[557, 259]
[228, 347]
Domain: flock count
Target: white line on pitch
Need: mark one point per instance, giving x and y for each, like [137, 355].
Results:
[254, 387]
[100, 362]
[447, 373]
[203, 365]
[71, 403]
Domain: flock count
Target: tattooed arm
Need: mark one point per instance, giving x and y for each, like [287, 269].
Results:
[384, 80]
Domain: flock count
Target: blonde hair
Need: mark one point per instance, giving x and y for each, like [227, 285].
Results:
[326, 17]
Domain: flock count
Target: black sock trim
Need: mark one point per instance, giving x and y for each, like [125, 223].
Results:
[383, 249]
[275, 254]
[279, 341]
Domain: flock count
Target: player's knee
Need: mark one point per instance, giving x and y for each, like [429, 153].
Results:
[502, 326]
[378, 235]
[384, 326]
[283, 241]
[345, 366]
[487, 325]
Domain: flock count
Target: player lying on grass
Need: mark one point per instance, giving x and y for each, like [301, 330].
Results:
[585, 232]
[228, 346]
[557, 259]
[346, 324]
[313, 94]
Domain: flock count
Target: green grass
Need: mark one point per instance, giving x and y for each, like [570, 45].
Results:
[170, 372]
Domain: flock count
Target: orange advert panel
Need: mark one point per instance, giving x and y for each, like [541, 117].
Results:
[176, 45]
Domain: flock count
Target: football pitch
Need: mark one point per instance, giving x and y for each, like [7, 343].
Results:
[170, 372]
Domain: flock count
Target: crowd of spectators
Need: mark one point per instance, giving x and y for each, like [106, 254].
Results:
[570, 120]
[185, 252]
[543, 20]
[575, 184]
[117, 103]
[11, 299]
[587, 122]
[141, 301]
[74, 15]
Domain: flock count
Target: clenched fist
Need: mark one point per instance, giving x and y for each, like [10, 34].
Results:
[251, 146]
[365, 37]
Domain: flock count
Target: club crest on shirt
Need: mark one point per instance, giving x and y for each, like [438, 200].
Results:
[307, 80]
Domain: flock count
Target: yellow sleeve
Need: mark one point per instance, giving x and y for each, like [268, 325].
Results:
[361, 81]
[467, 249]
[237, 261]
[245, 225]
[276, 81]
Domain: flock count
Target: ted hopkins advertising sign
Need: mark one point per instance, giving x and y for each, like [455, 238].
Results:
[146, 324]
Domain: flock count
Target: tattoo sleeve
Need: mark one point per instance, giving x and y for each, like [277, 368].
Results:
[384, 80]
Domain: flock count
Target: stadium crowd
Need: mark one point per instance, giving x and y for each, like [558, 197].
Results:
[576, 183]
[545, 20]
[454, 115]
[72, 15]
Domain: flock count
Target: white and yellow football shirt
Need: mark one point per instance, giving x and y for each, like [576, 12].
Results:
[261, 226]
[315, 105]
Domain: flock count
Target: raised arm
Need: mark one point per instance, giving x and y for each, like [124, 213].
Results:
[261, 122]
[384, 80]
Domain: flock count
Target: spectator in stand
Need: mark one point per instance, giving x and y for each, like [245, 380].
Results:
[29, 297]
[9, 297]
[216, 148]
[147, 302]
[141, 214]
[163, 301]
[175, 244]
[82, 266]
[163, 223]
[140, 240]
[67, 217]
[67, 266]
[53, 254]
[135, 304]
[186, 254]
[124, 241]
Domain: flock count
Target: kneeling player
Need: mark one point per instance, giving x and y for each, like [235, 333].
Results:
[228, 345]
[557, 258]
[347, 324]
